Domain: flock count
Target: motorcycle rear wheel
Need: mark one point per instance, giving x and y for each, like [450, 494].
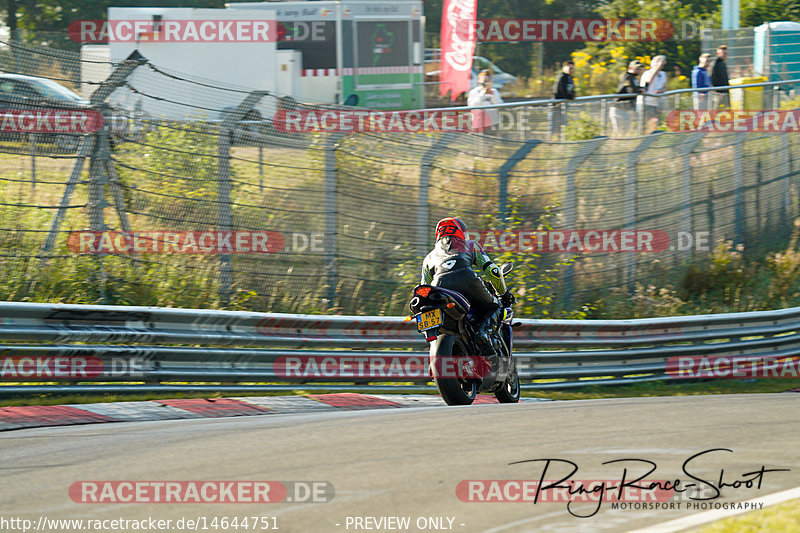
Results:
[453, 391]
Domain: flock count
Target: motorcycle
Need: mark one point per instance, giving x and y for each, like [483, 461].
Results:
[445, 317]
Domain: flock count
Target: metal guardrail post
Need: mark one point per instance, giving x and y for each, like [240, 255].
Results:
[738, 187]
[331, 273]
[685, 151]
[502, 195]
[630, 199]
[224, 215]
[423, 204]
[571, 206]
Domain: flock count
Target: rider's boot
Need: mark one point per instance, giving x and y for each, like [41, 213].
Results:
[483, 335]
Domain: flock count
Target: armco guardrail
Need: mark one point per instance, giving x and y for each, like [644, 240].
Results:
[120, 348]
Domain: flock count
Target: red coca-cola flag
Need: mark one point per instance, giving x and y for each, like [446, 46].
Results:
[457, 46]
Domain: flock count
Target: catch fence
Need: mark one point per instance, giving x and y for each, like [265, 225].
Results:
[232, 211]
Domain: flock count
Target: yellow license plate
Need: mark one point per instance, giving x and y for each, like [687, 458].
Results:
[429, 319]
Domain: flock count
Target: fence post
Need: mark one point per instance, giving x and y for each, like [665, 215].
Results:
[571, 206]
[224, 214]
[686, 149]
[630, 197]
[786, 188]
[738, 186]
[502, 195]
[423, 203]
[32, 139]
[640, 114]
[331, 274]
[98, 179]
[604, 117]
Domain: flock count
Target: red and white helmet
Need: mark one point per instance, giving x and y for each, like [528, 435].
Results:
[451, 227]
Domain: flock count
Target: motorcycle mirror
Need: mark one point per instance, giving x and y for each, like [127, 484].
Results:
[507, 267]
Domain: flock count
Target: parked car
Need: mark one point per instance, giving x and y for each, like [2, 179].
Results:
[18, 91]
[500, 79]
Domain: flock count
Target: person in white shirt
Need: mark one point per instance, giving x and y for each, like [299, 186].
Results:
[654, 80]
[484, 94]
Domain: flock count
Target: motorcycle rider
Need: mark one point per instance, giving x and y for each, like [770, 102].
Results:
[449, 265]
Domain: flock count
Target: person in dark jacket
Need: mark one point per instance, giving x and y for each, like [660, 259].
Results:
[621, 113]
[563, 89]
[719, 76]
[700, 80]
[449, 265]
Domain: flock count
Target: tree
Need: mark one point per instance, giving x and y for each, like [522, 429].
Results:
[41, 21]
[757, 12]
[515, 58]
[680, 50]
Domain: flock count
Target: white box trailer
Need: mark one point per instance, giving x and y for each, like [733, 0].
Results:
[95, 67]
[241, 64]
[364, 52]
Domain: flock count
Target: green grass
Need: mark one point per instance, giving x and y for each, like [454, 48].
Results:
[783, 518]
[636, 390]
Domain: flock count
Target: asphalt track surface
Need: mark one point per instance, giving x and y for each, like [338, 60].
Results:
[408, 462]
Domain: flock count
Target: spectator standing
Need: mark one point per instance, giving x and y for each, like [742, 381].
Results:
[654, 81]
[700, 79]
[484, 94]
[719, 76]
[622, 112]
[563, 89]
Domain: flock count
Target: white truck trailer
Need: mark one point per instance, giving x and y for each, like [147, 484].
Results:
[364, 53]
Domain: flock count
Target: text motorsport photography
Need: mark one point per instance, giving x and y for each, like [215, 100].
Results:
[695, 488]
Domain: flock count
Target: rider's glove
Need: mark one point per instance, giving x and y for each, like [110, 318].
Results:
[507, 299]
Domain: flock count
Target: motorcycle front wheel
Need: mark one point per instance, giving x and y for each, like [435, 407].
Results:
[510, 391]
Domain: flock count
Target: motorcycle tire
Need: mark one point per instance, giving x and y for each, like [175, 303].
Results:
[510, 391]
[454, 391]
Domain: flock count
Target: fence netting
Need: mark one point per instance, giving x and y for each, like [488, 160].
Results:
[194, 194]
